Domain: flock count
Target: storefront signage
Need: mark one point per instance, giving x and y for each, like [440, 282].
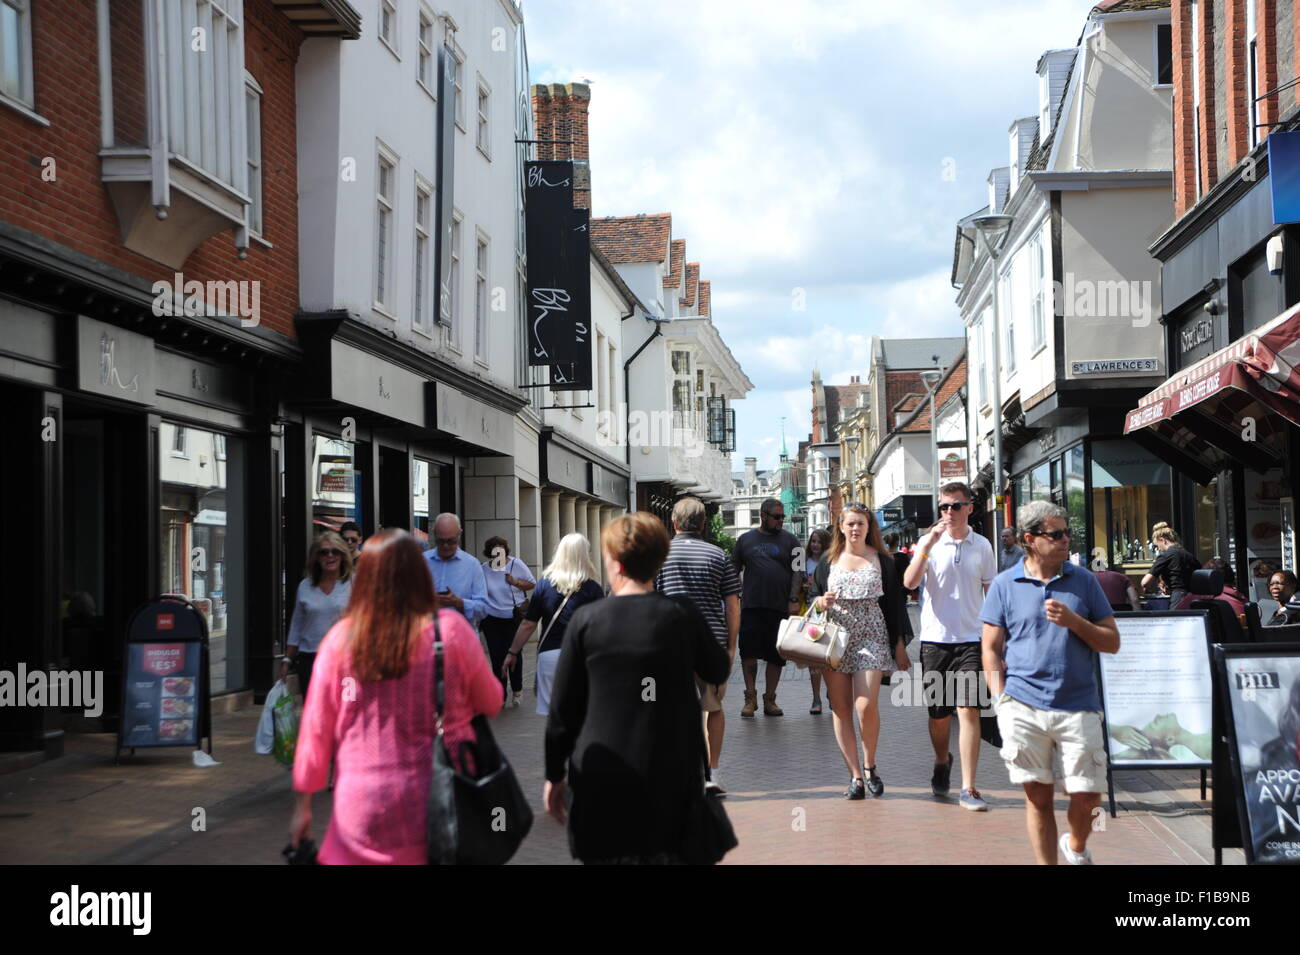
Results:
[1157, 692]
[608, 485]
[564, 468]
[1106, 366]
[201, 382]
[1046, 441]
[1284, 176]
[1197, 333]
[919, 487]
[1260, 687]
[891, 515]
[953, 466]
[114, 362]
[469, 419]
[360, 379]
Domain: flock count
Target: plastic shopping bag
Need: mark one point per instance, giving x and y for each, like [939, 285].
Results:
[264, 741]
[285, 716]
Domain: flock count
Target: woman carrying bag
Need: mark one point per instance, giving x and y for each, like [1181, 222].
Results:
[857, 587]
[508, 582]
[567, 583]
[373, 711]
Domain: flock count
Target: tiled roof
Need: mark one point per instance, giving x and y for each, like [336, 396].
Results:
[837, 397]
[705, 307]
[954, 379]
[640, 238]
[674, 277]
[692, 280]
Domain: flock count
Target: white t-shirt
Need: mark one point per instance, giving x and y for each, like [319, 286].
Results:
[952, 588]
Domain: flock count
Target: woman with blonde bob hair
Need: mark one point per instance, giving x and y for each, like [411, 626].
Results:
[322, 595]
[858, 588]
[1174, 566]
[568, 582]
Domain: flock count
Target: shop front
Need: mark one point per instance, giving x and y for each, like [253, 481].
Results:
[137, 453]
[580, 493]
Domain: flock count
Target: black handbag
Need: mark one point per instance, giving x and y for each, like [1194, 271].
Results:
[709, 835]
[477, 819]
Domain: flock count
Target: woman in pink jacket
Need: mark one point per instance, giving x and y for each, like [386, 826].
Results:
[372, 711]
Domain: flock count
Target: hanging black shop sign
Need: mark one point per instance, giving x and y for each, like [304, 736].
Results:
[558, 311]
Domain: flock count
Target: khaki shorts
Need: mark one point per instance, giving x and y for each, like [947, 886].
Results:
[711, 695]
[1032, 737]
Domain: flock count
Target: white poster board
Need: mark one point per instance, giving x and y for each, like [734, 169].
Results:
[1157, 691]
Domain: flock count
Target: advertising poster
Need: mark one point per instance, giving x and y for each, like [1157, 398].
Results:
[161, 707]
[1263, 690]
[1264, 529]
[1157, 691]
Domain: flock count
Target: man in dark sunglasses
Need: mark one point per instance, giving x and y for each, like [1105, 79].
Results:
[954, 567]
[1045, 621]
[766, 559]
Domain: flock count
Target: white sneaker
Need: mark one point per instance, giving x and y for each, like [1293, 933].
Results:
[714, 785]
[1072, 857]
[517, 698]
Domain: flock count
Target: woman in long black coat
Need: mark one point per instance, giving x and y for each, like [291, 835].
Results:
[625, 726]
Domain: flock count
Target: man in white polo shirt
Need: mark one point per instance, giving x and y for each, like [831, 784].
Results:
[954, 566]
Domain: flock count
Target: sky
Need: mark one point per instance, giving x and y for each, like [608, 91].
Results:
[815, 156]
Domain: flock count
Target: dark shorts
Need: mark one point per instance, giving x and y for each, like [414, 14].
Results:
[758, 629]
[947, 690]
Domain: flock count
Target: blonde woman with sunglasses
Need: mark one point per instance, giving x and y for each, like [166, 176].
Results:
[322, 597]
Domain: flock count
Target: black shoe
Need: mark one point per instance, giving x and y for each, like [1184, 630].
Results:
[874, 785]
[940, 782]
[855, 790]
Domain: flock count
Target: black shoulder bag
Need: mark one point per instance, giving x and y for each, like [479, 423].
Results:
[477, 819]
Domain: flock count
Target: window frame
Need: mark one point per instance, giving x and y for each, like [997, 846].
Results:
[426, 54]
[385, 270]
[482, 291]
[25, 96]
[1039, 275]
[483, 116]
[256, 217]
[452, 337]
[1155, 56]
[458, 87]
[422, 231]
[391, 6]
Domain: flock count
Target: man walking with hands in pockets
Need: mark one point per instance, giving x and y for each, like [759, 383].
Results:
[954, 566]
[1045, 621]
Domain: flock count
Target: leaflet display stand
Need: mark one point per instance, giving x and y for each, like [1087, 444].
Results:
[165, 698]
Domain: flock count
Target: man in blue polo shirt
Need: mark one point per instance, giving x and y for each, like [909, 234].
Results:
[1045, 620]
[457, 576]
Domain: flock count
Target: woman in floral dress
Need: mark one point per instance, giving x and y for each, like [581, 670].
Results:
[858, 589]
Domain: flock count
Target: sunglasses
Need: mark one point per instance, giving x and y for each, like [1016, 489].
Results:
[447, 540]
[775, 517]
[352, 540]
[953, 506]
[331, 553]
[1054, 535]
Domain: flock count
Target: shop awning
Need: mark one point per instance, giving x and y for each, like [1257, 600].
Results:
[1232, 405]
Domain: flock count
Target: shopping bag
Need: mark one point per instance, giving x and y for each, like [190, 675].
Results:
[811, 639]
[264, 741]
[285, 716]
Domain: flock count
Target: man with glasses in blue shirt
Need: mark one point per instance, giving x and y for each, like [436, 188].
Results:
[954, 566]
[1045, 621]
[457, 576]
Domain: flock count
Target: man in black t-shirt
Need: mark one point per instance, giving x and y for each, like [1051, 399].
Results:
[766, 558]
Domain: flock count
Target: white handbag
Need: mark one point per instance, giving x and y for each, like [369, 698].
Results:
[812, 640]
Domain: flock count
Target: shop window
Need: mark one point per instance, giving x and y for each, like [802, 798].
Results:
[1130, 493]
[1075, 498]
[335, 483]
[1040, 488]
[202, 548]
[1205, 507]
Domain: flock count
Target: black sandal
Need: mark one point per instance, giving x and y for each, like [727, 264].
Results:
[874, 785]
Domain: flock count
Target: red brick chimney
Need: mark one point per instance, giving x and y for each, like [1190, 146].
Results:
[560, 112]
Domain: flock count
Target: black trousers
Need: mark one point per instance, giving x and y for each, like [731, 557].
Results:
[499, 632]
[303, 663]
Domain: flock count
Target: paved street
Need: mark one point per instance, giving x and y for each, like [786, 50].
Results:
[779, 771]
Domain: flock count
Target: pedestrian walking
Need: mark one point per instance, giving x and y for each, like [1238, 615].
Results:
[624, 732]
[351, 534]
[567, 583]
[818, 541]
[954, 567]
[1045, 621]
[1173, 567]
[1011, 554]
[703, 574]
[765, 557]
[373, 713]
[507, 580]
[457, 577]
[858, 588]
[322, 596]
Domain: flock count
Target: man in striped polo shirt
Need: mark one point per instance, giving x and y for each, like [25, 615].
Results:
[703, 574]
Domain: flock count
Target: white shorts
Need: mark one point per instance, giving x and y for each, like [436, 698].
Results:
[545, 677]
[1031, 737]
